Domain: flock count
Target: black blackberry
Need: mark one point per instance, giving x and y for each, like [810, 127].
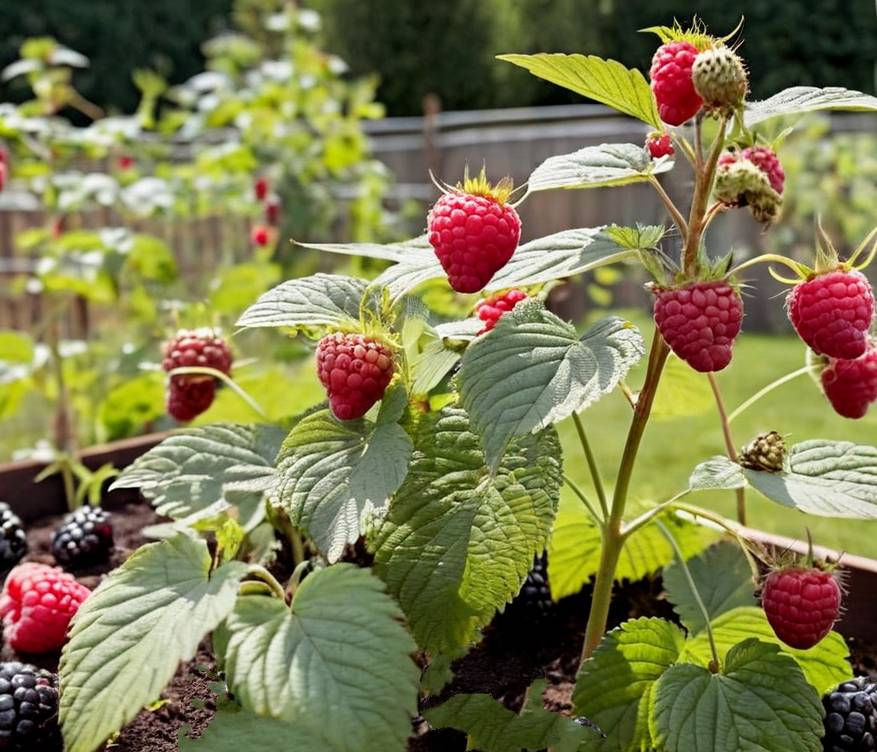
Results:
[13, 540]
[84, 538]
[28, 708]
[851, 717]
[534, 598]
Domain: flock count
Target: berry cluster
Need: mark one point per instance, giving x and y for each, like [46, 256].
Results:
[851, 717]
[355, 370]
[752, 177]
[28, 708]
[491, 309]
[189, 395]
[85, 537]
[262, 234]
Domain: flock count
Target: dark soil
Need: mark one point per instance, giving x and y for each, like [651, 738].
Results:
[513, 653]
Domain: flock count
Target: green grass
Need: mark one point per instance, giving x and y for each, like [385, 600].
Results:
[673, 446]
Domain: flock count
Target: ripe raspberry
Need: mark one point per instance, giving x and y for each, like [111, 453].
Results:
[851, 385]
[700, 322]
[355, 370]
[13, 540]
[720, 79]
[272, 210]
[187, 399]
[802, 604]
[672, 85]
[260, 235]
[197, 347]
[126, 162]
[28, 709]
[833, 312]
[473, 234]
[84, 538]
[766, 452]
[768, 162]
[4, 172]
[851, 717]
[37, 605]
[660, 145]
[261, 187]
[491, 309]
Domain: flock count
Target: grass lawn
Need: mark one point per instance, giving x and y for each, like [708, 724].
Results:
[672, 446]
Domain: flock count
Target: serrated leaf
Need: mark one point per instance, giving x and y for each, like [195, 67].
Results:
[613, 686]
[761, 702]
[330, 473]
[458, 536]
[802, 99]
[337, 662]
[130, 635]
[824, 666]
[606, 81]
[532, 370]
[191, 470]
[322, 300]
[821, 477]
[233, 730]
[604, 166]
[723, 579]
[574, 549]
[492, 727]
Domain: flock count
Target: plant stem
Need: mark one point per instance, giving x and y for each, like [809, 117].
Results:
[671, 207]
[730, 447]
[646, 517]
[592, 465]
[714, 666]
[613, 539]
[766, 258]
[224, 378]
[584, 499]
[262, 574]
[768, 389]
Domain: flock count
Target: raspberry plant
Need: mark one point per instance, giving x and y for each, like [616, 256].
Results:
[449, 467]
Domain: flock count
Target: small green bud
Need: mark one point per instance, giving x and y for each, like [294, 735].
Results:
[720, 79]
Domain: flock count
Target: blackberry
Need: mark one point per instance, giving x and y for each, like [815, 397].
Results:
[13, 540]
[534, 599]
[84, 538]
[28, 708]
[851, 717]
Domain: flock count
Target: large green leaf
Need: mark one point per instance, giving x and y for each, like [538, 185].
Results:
[723, 579]
[130, 635]
[760, 702]
[683, 392]
[821, 477]
[192, 469]
[606, 81]
[802, 99]
[532, 370]
[238, 731]
[603, 166]
[332, 473]
[614, 686]
[458, 541]
[824, 665]
[337, 662]
[322, 300]
[492, 727]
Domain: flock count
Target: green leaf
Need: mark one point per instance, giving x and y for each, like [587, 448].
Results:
[458, 536]
[130, 405]
[601, 166]
[682, 392]
[574, 549]
[532, 370]
[233, 730]
[130, 635]
[825, 665]
[821, 477]
[16, 348]
[723, 579]
[337, 662]
[437, 675]
[613, 687]
[195, 468]
[332, 474]
[322, 300]
[606, 81]
[494, 728]
[761, 702]
[802, 99]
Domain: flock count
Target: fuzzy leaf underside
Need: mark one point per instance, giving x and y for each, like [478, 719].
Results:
[532, 370]
[337, 663]
[799, 100]
[131, 634]
[458, 536]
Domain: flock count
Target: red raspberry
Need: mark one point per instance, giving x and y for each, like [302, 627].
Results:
[672, 86]
[260, 188]
[355, 371]
[768, 162]
[833, 312]
[490, 310]
[473, 236]
[660, 146]
[259, 235]
[4, 174]
[37, 605]
[272, 210]
[126, 162]
[191, 347]
[851, 385]
[801, 604]
[700, 322]
[187, 399]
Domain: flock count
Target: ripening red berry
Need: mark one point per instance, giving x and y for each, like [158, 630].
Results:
[851, 385]
[272, 210]
[672, 85]
[189, 395]
[768, 162]
[187, 398]
[491, 309]
[260, 235]
[261, 186]
[802, 604]
[126, 162]
[660, 145]
[355, 370]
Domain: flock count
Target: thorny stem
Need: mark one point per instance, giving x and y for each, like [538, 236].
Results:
[584, 499]
[671, 206]
[592, 465]
[714, 666]
[730, 447]
[768, 389]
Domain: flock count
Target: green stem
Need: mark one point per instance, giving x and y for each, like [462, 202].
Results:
[766, 258]
[730, 447]
[224, 378]
[671, 207]
[264, 576]
[592, 465]
[584, 499]
[768, 389]
[646, 517]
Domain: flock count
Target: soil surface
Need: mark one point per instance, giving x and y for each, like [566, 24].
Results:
[515, 651]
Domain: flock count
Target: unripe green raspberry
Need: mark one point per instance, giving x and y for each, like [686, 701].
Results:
[741, 183]
[720, 79]
[766, 452]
